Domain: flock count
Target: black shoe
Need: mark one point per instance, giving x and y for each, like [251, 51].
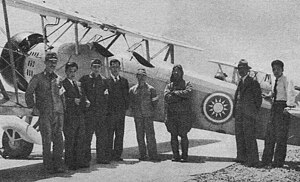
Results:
[176, 159]
[184, 160]
[143, 158]
[155, 159]
[73, 168]
[60, 170]
[276, 165]
[84, 166]
[103, 162]
[239, 161]
[256, 165]
[118, 159]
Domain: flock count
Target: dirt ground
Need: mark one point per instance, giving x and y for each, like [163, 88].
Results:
[237, 172]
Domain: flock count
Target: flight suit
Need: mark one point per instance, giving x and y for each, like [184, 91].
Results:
[178, 115]
[48, 92]
[93, 89]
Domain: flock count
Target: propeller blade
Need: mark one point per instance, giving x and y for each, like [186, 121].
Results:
[142, 60]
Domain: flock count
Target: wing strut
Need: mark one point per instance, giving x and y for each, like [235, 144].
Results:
[12, 62]
[76, 39]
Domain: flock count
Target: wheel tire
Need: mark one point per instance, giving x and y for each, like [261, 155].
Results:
[20, 149]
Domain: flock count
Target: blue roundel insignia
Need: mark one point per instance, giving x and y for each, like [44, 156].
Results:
[218, 108]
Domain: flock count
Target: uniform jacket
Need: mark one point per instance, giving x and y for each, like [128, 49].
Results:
[143, 100]
[45, 92]
[118, 94]
[94, 89]
[247, 98]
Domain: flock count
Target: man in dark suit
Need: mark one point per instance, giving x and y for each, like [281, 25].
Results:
[247, 102]
[118, 98]
[74, 129]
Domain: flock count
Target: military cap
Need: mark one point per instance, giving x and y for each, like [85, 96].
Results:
[51, 56]
[96, 62]
[141, 71]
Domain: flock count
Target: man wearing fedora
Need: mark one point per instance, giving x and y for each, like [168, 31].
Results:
[247, 102]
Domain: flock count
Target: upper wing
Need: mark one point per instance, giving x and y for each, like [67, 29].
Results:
[223, 63]
[234, 65]
[90, 21]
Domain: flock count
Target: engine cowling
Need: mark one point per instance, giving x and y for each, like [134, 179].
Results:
[21, 44]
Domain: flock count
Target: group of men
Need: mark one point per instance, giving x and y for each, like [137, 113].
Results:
[247, 103]
[94, 104]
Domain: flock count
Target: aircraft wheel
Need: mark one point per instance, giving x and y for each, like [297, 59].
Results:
[14, 146]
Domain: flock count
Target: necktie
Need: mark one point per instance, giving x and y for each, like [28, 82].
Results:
[52, 76]
[116, 78]
[275, 89]
[75, 86]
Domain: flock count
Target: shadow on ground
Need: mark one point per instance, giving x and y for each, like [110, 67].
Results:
[35, 172]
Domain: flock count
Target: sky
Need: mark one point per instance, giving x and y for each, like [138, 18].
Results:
[256, 30]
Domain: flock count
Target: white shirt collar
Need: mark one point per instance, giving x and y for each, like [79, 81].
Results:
[243, 78]
[114, 78]
[71, 81]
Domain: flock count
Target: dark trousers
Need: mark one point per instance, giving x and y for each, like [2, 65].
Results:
[51, 125]
[246, 143]
[179, 125]
[144, 126]
[116, 126]
[95, 123]
[74, 131]
[175, 146]
[277, 133]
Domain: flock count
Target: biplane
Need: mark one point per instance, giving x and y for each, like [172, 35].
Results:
[23, 54]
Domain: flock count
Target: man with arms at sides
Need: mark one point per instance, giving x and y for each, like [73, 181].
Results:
[247, 102]
[45, 93]
[93, 87]
[277, 129]
[143, 102]
[117, 105]
[74, 128]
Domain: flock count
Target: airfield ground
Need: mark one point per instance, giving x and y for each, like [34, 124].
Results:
[211, 159]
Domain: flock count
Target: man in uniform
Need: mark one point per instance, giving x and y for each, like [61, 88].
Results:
[94, 88]
[143, 101]
[117, 105]
[45, 93]
[247, 102]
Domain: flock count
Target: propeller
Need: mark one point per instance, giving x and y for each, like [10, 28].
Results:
[142, 60]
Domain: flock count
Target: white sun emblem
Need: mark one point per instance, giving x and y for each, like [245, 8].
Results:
[217, 107]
